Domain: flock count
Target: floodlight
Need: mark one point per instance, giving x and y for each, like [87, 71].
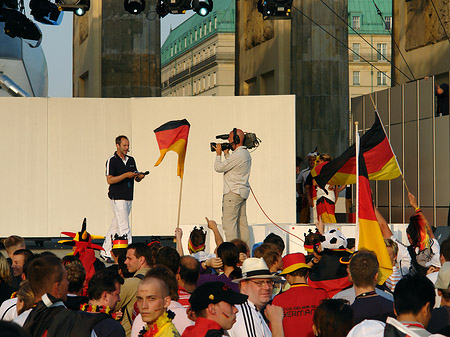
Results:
[46, 12]
[18, 25]
[134, 6]
[78, 7]
[202, 7]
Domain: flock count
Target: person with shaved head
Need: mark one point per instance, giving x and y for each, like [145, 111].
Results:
[153, 301]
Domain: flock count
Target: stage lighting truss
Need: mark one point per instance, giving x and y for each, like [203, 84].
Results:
[78, 7]
[275, 9]
[46, 12]
[202, 7]
[134, 6]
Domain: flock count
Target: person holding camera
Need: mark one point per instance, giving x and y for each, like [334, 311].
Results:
[236, 188]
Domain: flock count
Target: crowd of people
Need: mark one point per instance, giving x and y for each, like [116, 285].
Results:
[137, 289]
[156, 290]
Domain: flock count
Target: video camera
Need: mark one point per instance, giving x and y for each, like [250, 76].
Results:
[250, 141]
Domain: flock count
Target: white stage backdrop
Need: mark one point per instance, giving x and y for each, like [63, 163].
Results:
[56, 148]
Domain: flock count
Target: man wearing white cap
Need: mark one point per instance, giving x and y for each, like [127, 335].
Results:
[257, 284]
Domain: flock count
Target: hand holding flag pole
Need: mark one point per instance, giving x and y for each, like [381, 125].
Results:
[173, 136]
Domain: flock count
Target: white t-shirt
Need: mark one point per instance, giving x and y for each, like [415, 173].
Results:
[8, 310]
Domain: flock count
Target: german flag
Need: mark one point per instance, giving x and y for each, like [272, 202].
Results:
[173, 136]
[380, 160]
[326, 210]
[369, 233]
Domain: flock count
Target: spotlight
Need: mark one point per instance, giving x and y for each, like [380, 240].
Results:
[46, 12]
[134, 6]
[78, 7]
[202, 8]
[161, 9]
[275, 9]
[18, 25]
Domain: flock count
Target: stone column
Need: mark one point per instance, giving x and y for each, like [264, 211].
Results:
[130, 51]
[319, 79]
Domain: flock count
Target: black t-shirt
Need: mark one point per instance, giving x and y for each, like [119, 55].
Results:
[440, 319]
[123, 190]
[109, 328]
[372, 307]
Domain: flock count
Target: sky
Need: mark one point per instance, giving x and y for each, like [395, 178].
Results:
[57, 47]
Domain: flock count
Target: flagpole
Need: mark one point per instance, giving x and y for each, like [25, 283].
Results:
[381, 122]
[357, 185]
[179, 203]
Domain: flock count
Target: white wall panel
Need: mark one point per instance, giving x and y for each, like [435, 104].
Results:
[59, 161]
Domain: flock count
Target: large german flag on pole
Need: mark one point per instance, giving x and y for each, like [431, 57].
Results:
[380, 160]
[368, 231]
[173, 136]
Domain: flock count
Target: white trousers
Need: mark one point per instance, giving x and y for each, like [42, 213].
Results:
[120, 224]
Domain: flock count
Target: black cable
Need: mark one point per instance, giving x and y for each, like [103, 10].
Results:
[392, 38]
[342, 43]
[440, 20]
[371, 45]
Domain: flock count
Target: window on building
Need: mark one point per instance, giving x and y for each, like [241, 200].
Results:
[191, 37]
[215, 22]
[356, 22]
[204, 29]
[356, 52]
[200, 33]
[185, 42]
[214, 49]
[382, 51]
[171, 51]
[196, 35]
[198, 85]
[184, 91]
[175, 48]
[194, 86]
[388, 22]
[356, 78]
[381, 78]
[209, 81]
[210, 26]
[203, 83]
[195, 60]
[214, 79]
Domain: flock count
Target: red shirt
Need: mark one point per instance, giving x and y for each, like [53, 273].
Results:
[201, 327]
[184, 297]
[299, 303]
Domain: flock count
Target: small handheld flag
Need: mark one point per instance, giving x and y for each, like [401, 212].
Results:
[173, 136]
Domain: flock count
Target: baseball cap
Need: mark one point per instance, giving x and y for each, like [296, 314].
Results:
[212, 293]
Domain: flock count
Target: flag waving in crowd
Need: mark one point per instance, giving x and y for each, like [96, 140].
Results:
[173, 136]
[380, 160]
[368, 231]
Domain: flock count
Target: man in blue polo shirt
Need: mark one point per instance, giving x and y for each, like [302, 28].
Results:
[121, 172]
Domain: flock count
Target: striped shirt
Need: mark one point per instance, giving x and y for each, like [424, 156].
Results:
[249, 322]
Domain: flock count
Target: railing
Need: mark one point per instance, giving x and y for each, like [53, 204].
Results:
[374, 57]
